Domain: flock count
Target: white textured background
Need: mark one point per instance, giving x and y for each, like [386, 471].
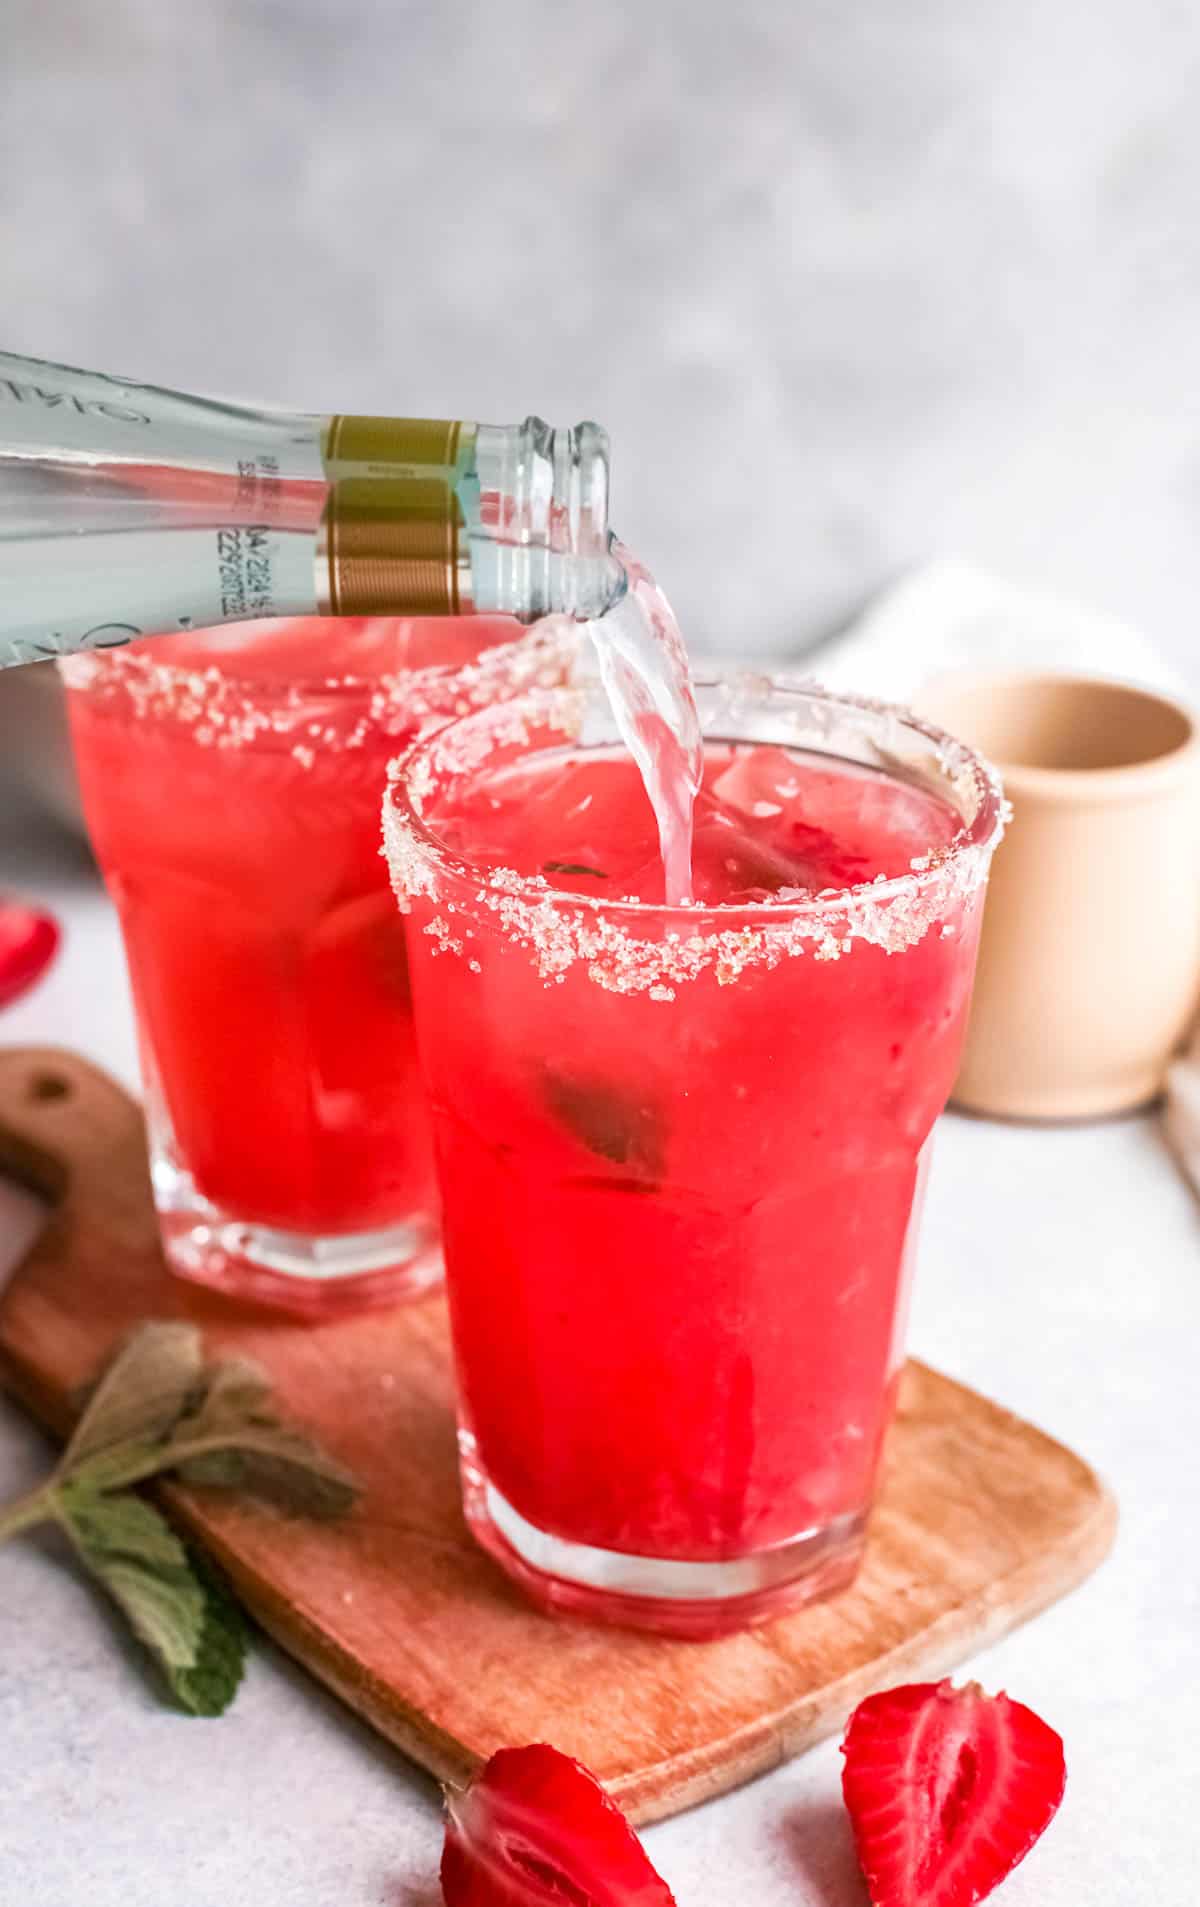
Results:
[850, 284]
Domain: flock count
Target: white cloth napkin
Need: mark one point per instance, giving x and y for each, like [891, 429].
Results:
[949, 614]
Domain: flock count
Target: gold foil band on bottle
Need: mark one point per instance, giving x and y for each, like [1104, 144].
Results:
[392, 525]
[392, 549]
[399, 447]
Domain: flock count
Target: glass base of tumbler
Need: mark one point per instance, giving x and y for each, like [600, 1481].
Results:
[292, 1271]
[693, 1601]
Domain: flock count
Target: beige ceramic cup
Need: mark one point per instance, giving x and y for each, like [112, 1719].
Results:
[1089, 966]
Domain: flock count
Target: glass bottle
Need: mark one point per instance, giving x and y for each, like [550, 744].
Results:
[127, 509]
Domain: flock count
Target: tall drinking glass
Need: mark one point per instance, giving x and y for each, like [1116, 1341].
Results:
[681, 1150]
[231, 784]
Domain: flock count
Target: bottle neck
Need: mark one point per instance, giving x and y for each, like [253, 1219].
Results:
[447, 518]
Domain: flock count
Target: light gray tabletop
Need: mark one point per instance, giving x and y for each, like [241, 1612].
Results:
[1060, 1272]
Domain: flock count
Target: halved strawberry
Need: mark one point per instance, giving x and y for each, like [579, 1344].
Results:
[29, 938]
[947, 1790]
[535, 1829]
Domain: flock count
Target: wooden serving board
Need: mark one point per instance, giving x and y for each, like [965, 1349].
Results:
[982, 1519]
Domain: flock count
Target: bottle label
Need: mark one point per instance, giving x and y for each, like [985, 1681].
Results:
[143, 582]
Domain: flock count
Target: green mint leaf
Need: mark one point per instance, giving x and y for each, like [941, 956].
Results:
[157, 1407]
[235, 1393]
[173, 1601]
[280, 1464]
[250, 1449]
[226, 1435]
[116, 1468]
[615, 1126]
[142, 1393]
[165, 1607]
[133, 1551]
[210, 1684]
[119, 1525]
[573, 867]
[237, 1387]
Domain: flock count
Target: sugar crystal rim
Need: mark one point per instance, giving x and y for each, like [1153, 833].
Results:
[977, 837]
[472, 906]
[226, 710]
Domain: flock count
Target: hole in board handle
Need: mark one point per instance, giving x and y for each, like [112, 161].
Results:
[46, 1086]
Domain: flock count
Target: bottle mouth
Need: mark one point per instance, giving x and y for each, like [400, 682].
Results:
[533, 522]
[560, 487]
[585, 483]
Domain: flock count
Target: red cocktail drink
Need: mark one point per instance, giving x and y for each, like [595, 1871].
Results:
[681, 1149]
[231, 783]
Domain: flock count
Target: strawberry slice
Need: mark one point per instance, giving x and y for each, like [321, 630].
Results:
[947, 1790]
[28, 941]
[535, 1829]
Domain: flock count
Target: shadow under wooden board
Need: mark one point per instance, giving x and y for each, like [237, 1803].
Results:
[982, 1520]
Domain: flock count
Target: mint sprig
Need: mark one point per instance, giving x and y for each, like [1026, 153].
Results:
[157, 1408]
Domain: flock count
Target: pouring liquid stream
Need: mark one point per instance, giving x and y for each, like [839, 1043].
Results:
[644, 667]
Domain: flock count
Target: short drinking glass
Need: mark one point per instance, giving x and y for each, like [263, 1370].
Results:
[231, 781]
[681, 1150]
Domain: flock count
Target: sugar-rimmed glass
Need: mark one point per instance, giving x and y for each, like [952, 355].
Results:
[231, 786]
[681, 1155]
